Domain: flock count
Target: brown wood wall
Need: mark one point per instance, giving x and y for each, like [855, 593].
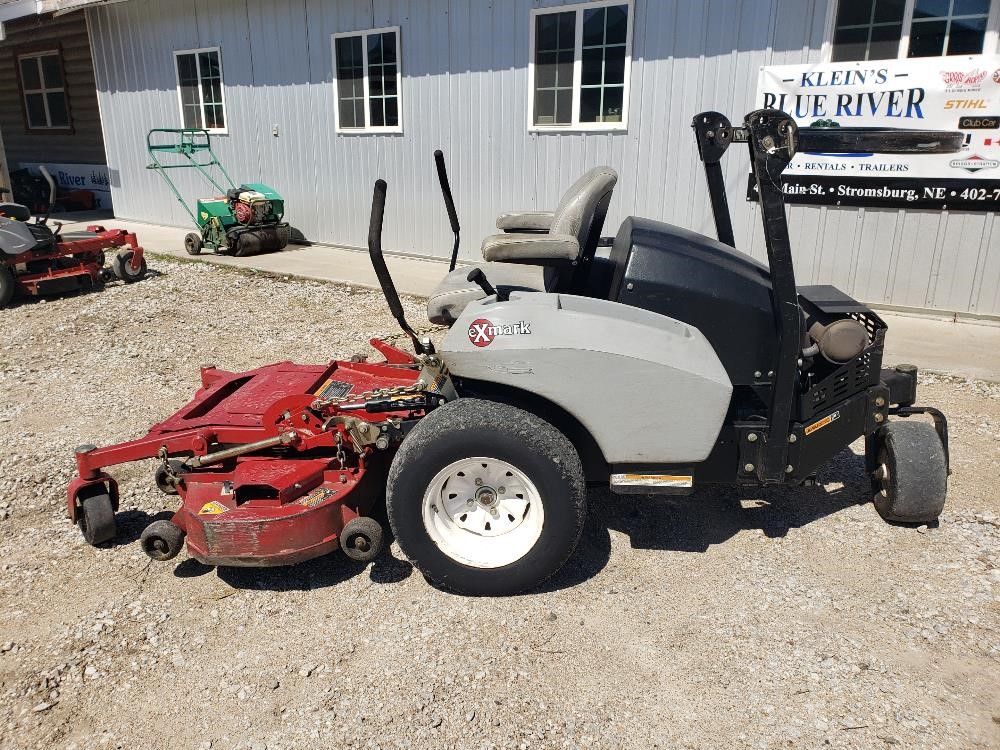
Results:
[85, 144]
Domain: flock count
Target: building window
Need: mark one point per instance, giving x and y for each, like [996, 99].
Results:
[868, 30]
[367, 81]
[199, 89]
[890, 29]
[581, 56]
[43, 90]
[948, 27]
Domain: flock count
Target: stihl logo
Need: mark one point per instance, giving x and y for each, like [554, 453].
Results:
[965, 104]
[482, 331]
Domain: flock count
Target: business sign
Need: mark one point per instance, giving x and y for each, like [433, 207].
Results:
[939, 93]
[79, 186]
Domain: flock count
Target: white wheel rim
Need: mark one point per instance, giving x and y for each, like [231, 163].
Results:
[498, 527]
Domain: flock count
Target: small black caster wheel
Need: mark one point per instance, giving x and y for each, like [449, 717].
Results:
[193, 243]
[122, 267]
[362, 539]
[910, 481]
[96, 516]
[162, 540]
[165, 480]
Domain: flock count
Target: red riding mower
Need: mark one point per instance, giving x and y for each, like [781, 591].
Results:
[34, 260]
[482, 450]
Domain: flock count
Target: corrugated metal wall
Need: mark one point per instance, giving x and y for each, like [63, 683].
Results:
[85, 144]
[465, 90]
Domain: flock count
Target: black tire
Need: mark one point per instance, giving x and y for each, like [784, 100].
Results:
[6, 285]
[123, 270]
[362, 539]
[162, 540]
[96, 515]
[469, 428]
[912, 486]
[192, 243]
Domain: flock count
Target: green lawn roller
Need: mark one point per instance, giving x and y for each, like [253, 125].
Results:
[244, 220]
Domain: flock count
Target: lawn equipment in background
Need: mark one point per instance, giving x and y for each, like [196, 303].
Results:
[35, 260]
[694, 365]
[33, 191]
[241, 220]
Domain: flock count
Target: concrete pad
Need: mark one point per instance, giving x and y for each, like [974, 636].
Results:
[968, 347]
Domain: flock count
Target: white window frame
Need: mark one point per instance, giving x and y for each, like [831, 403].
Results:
[576, 126]
[37, 56]
[991, 41]
[368, 128]
[201, 93]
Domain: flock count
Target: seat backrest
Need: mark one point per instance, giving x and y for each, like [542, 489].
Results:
[575, 213]
[15, 211]
[581, 213]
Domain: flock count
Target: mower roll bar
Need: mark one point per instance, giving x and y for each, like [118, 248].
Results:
[773, 139]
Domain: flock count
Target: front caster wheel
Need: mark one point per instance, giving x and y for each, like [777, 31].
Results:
[122, 267]
[911, 479]
[96, 517]
[362, 539]
[485, 498]
[162, 540]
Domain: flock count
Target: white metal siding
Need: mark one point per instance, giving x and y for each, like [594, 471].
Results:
[465, 90]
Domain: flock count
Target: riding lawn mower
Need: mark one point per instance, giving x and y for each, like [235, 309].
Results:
[35, 260]
[676, 362]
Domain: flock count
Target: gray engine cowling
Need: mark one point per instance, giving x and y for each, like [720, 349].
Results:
[648, 388]
[16, 237]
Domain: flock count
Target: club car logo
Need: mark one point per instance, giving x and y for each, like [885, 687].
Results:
[974, 163]
[960, 80]
[483, 331]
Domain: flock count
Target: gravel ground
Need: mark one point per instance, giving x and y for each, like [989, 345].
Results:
[791, 619]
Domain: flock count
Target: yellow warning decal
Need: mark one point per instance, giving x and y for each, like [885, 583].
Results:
[651, 480]
[214, 508]
[317, 496]
[829, 418]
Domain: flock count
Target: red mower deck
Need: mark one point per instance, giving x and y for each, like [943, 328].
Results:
[270, 465]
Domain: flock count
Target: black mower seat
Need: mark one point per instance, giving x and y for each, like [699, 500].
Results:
[549, 261]
[15, 211]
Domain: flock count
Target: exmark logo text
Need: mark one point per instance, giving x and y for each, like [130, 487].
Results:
[483, 331]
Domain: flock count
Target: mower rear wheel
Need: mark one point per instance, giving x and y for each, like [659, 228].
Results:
[362, 539]
[911, 478]
[193, 243]
[485, 498]
[122, 266]
[96, 516]
[6, 285]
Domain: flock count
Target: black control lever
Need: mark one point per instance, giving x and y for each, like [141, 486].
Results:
[382, 271]
[476, 276]
[449, 204]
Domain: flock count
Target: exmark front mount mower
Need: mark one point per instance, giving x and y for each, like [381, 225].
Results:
[241, 219]
[35, 260]
[482, 449]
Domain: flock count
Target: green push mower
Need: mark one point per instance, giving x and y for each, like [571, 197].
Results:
[244, 220]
